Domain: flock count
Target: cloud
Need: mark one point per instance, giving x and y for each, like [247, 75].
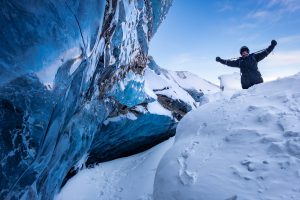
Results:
[289, 39]
[286, 6]
[275, 10]
[280, 64]
[240, 29]
[284, 58]
[226, 7]
[246, 26]
[266, 15]
[259, 14]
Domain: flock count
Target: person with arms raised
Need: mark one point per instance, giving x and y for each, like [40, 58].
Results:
[247, 63]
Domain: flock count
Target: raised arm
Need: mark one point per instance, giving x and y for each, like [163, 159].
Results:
[230, 63]
[261, 55]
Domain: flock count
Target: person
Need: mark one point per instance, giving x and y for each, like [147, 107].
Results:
[247, 63]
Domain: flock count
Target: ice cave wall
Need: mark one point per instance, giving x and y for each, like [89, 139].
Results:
[60, 67]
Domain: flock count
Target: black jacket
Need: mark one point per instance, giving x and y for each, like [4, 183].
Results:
[248, 67]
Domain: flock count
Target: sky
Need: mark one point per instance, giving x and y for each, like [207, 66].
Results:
[195, 32]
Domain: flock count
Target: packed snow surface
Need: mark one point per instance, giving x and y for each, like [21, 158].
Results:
[125, 178]
[243, 144]
[246, 146]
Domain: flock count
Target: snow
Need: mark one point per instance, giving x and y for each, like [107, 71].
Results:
[242, 144]
[149, 91]
[156, 108]
[189, 80]
[230, 81]
[130, 116]
[166, 84]
[243, 147]
[129, 178]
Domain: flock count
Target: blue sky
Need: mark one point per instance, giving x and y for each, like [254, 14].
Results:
[196, 31]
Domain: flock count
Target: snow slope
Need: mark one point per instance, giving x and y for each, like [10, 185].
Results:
[179, 85]
[243, 147]
[129, 178]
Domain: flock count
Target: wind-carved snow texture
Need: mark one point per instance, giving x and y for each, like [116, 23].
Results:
[244, 145]
[65, 69]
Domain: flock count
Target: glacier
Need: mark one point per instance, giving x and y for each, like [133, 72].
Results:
[76, 83]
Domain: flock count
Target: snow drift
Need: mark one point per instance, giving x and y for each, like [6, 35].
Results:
[129, 178]
[246, 146]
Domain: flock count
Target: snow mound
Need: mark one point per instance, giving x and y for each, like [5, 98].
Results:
[243, 147]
